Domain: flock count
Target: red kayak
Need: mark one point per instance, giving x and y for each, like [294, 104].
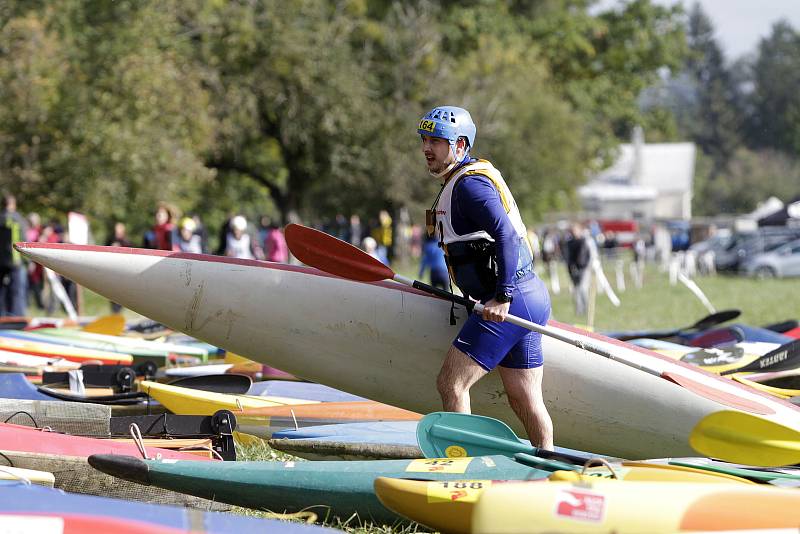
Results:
[17, 438]
[794, 332]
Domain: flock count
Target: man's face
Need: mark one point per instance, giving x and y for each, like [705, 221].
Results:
[437, 153]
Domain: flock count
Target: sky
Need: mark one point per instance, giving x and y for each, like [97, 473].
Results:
[739, 24]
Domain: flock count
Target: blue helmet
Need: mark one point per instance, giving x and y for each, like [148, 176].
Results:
[448, 122]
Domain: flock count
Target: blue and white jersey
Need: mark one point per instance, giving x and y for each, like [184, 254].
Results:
[476, 204]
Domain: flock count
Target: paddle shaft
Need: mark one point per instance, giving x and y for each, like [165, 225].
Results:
[505, 446]
[477, 307]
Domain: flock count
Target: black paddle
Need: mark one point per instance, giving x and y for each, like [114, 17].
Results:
[703, 324]
[230, 384]
[782, 327]
[787, 356]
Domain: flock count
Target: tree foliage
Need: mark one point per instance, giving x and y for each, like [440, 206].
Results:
[310, 106]
[744, 117]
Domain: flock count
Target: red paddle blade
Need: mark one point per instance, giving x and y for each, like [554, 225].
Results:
[334, 256]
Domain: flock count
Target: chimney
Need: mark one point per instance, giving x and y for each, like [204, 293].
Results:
[637, 140]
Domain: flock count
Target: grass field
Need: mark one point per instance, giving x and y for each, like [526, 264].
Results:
[660, 305]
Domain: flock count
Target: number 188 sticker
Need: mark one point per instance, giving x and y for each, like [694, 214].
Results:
[456, 490]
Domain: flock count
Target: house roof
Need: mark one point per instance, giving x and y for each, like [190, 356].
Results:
[665, 167]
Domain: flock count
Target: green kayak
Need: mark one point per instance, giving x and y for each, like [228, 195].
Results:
[327, 488]
[777, 477]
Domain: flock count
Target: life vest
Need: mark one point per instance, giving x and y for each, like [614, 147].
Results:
[10, 233]
[472, 258]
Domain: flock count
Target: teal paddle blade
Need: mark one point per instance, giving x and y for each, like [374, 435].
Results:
[451, 435]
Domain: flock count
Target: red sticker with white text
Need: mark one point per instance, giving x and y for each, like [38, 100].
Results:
[580, 505]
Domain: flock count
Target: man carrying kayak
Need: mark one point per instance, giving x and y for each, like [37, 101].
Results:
[478, 225]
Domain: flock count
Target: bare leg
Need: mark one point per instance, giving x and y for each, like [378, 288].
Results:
[524, 389]
[459, 372]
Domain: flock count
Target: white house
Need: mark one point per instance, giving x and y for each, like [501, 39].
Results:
[647, 181]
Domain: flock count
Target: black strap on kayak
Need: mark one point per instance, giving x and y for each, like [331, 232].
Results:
[118, 399]
[120, 380]
[218, 427]
[146, 368]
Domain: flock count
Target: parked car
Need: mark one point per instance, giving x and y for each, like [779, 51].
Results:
[745, 246]
[716, 243]
[781, 262]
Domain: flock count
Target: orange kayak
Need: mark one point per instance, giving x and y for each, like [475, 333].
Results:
[341, 411]
[263, 422]
[74, 354]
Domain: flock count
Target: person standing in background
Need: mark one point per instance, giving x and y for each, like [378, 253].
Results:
[355, 230]
[187, 240]
[433, 259]
[238, 241]
[35, 270]
[578, 255]
[160, 236]
[118, 238]
[275, 248]
[13, 274]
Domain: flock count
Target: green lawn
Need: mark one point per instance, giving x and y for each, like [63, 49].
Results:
[660, 305]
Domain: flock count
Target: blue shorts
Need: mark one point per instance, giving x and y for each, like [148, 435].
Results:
[491, 344]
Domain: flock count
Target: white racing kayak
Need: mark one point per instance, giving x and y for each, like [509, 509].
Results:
[386, 342]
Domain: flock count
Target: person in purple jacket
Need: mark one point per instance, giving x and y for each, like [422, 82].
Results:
[479, 227]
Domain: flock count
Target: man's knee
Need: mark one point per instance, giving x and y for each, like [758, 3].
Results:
[446, 386]
[523, 384]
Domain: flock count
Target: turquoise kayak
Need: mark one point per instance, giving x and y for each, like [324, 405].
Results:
[338, 489]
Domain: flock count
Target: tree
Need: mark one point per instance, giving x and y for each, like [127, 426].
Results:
[604, 62]
[288, 95]
[117, 119]
[716, 112]
[775, 99]
[751, 177]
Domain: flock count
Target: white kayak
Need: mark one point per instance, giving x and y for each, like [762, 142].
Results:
[386, 342]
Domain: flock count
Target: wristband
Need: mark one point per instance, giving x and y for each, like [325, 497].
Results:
[502, 297]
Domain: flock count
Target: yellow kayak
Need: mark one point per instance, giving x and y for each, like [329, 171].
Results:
[782, 393]
[719, 360]
[447, 506]
[41, 478]
[632, 507]
[186, 401]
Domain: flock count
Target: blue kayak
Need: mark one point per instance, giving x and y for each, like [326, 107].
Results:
[741, 332]
[403, 433]
[755, 333]
[21, 498]
[16, 386]
[301, 390]
[379, 432]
